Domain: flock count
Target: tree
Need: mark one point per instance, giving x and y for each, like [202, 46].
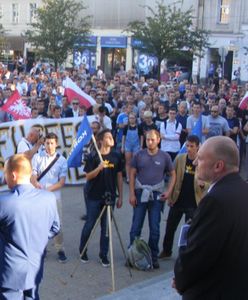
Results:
[2, 38]
[167, 31]
[57, 27]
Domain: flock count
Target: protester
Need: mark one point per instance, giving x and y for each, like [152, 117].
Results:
[49, 173]
[132, 141]
[28, 218]
[31, 144]
[186, 194]
[103, 179]
[146, 191]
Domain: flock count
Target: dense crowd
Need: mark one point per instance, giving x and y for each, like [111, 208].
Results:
[130, 105]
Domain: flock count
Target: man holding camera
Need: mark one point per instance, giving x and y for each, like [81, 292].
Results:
[31, 144]
[102, 180]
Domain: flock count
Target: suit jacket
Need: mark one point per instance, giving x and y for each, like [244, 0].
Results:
[28, 218]
[214, 264]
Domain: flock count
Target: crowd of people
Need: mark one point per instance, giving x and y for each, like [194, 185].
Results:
[146, 122]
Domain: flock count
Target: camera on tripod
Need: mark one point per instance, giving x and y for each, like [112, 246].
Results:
[108, 198]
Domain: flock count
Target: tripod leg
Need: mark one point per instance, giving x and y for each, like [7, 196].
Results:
[91, 234]
[111, 247]
[122, 245]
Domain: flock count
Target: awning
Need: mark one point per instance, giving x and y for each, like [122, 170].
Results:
[15, 43]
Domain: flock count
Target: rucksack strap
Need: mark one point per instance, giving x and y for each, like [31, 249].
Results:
[165, 124]
[48, 167]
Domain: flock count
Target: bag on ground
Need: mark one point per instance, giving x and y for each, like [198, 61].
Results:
[139, 255]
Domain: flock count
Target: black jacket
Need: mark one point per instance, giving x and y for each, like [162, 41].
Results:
[214, 264]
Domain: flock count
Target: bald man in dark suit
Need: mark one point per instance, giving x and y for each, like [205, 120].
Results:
[213, 263]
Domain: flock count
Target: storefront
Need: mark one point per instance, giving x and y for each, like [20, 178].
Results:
[85, 53]
[113, 54]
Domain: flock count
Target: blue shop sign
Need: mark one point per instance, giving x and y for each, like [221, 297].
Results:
[136, 43]
[92, 41]
[113, 42]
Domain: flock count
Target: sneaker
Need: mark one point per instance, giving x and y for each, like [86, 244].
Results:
[84, 258]
[155, 264]
[61, 257]
[104, 261]
[164, 255]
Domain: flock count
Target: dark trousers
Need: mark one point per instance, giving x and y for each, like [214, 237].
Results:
[94, 208]
[174, 218]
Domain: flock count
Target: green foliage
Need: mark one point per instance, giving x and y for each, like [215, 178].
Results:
[2, 38]
[58, 25]
[167, 30]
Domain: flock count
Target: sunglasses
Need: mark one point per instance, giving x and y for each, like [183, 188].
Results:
[75, 103]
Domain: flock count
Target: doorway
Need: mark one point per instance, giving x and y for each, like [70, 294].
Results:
[112, 59]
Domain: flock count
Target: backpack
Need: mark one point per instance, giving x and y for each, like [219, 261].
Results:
[139, 255]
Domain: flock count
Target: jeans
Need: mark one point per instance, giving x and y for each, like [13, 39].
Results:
[154, 208]
[174, 218]
[94, 208]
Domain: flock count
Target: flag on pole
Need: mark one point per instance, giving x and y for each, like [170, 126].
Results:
[197, 130]
[244, 101]
[16, 107]
[73, 91]
[84, 135]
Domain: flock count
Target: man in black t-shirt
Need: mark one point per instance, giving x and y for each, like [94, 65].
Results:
[186, 194]
[102, 177]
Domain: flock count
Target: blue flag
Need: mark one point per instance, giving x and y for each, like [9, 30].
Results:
[84, 135]
[197, 130]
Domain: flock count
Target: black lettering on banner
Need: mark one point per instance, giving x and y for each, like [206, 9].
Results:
[3, 142]
[78, 174]
[68, 169]
[21, 129]
[77, 126]
[64, 136]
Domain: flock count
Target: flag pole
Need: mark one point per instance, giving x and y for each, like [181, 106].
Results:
[97, 149]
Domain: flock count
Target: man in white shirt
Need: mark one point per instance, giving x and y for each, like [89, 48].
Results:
[170, 131]
[53, 180]
[31, 144]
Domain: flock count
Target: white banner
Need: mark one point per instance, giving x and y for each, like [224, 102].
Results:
[66, 130]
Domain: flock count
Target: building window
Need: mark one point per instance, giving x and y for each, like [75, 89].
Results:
[224, 11]
[32, 12]
[1, 11]
[15, 13]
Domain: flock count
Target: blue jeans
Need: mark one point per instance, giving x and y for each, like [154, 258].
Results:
[154, 208]
[94, 208]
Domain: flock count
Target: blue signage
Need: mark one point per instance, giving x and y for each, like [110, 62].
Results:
[113, 42]
[91, 42]
[136, 43]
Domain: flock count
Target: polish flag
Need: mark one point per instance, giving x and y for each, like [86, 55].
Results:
[244, 101]
[73, 91]
[16, 107]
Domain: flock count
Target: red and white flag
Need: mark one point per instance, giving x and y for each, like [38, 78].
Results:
[16, 107]
[73, 91]
[244, 101]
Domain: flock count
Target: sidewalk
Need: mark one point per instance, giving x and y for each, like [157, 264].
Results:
[156, 288]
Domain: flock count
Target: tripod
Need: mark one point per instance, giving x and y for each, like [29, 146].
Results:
[110, 214]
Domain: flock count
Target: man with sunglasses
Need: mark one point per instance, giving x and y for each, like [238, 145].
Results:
[217, 125]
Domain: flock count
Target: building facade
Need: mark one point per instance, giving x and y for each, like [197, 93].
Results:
[227, 20]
